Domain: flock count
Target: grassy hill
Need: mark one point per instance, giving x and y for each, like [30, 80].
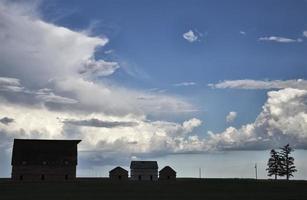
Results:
[183, 188]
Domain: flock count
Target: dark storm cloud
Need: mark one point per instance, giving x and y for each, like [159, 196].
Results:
[99, 123]
[6, 120]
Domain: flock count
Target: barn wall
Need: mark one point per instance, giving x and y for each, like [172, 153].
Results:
[145, 174]
[48, 173]
[167, 176]
[115, 176]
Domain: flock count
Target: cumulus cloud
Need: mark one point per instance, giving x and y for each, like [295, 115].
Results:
[279, 39]
[36, 51]
[305, 33]
[43, 55]
[53, 87]
[128, 134]
[185, 84]
[283, 120]
[191, 36]
[259, 84]
[231, 116]
[47, 63]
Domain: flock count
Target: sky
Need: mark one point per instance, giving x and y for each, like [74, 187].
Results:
[202, 81]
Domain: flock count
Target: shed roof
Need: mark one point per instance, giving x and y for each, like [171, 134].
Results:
[118, 169]
[144, 165]
[167, 169]
[36, 151]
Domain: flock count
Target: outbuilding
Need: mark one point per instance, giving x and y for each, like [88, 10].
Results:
[118, 173]
[167, 173]
[35, 160]
[144, 170]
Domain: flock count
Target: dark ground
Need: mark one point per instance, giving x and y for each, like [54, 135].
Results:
[192, 189]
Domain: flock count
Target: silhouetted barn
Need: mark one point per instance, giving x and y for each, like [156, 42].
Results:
[144, 170]
[118, 173]
[44, 159]
[167, 173]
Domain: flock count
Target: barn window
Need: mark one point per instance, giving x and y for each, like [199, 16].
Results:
[168, 177]
[119, 177]
[140, 177]
[21, 177]
[151, 177]
[66, 177]
[43, 177]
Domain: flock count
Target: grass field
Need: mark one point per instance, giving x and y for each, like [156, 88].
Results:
[192, 189]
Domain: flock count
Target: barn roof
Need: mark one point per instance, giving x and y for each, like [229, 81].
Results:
[144, 165]
[34, 151]
[118, 169]
[167, 169]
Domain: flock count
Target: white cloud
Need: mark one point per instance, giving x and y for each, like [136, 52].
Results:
[185, 84]
[110, 51]
[44, 61]
[250, 84]
[242, 32]
[50, 97]
[13, 85]
[305, 33]
[10, 84]
[49, 87]
[191, 124]
[98, 68]
[283, 120]
[35, 51]
[279, 39]
[9, 81]
[117, 100]
[231, 116]
[99, 132]
[42, 55]
[190, 36]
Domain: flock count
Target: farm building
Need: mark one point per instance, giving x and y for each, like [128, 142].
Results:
[167, 173]
[144, 170]
[118, 173]
[44, 159]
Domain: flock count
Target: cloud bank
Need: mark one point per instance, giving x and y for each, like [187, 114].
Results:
[249, 84]
[185, 84]
[279, 39]
[53, 87]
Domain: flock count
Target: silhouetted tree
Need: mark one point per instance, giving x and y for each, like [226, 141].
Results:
[274, 164]
[287, 162]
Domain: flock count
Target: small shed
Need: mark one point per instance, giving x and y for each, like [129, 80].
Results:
[167, 173]
[118, 173]
[144, 170]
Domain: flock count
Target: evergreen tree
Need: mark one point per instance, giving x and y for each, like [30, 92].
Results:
[274, 164]
[287, 162]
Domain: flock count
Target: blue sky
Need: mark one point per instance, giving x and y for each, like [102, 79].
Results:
[149, 79]
[146, 38]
